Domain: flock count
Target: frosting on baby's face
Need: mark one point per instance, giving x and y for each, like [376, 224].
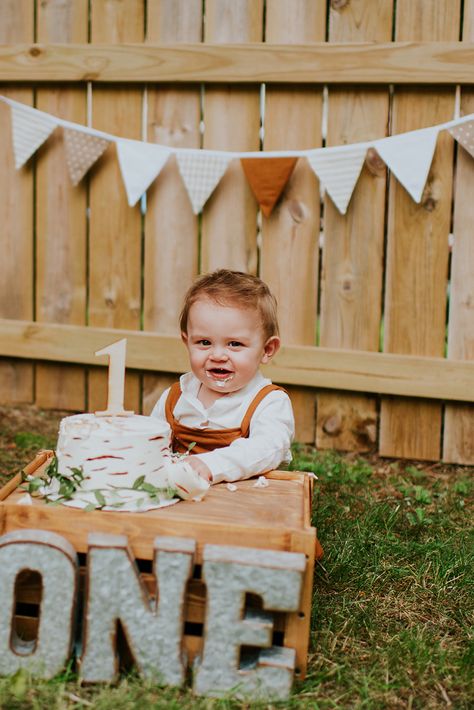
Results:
[226, 346]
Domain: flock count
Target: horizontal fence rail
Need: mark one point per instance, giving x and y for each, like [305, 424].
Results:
[369, 63]
[355, 370]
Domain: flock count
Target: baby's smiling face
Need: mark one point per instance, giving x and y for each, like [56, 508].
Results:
[226, 345]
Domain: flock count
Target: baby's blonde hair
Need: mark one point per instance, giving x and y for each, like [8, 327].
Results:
[234, 288]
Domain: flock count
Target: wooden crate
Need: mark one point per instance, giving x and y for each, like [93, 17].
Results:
[277, 517]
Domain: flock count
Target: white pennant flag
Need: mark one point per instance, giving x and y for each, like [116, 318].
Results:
[201, 171]
[338, 169]
[30, 130]
[82, 151]
[464, 134]
[140, 163]
[409, 157]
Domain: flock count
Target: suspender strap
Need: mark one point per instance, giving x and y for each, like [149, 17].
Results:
[173, 395]
[245, 425]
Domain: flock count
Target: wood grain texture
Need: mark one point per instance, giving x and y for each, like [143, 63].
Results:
[433, 377]
[171, 227]
[412, 62]
[290, 236]
[60, 214]
[458, 439]
[231, 122]
[16, 236]
[417, 243]
[352, 273]
[115, 228]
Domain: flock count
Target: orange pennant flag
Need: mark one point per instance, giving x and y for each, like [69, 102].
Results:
[267, 177]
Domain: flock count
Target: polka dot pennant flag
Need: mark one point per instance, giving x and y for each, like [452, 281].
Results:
[201, 171]
[464, 134]
[82, 151]
[30, 130]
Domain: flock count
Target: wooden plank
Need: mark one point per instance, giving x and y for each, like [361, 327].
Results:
[60, 215]
[414, 62]
[351, 296]
[171, 227]
[417, 242]
[458, 439]
[115, 228]
[231, 122]
[406, 375]
[16, 188]
[290, 246]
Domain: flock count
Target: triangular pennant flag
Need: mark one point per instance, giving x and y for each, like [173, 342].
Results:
[267, 177]
[338, 169]
[82, 151]
[30, 130]
[140, 163]
[201, 171]
[409, 157]
[464, 134]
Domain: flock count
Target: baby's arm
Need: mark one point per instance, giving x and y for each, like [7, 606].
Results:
[268, 444]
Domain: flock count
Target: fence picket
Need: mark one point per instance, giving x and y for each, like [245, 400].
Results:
[115, 228]
[231, 122]
[352, 254]
[16, 188]
[61, 215]
[417, 241]
[290, 236]
[458, 440]
[171, 228]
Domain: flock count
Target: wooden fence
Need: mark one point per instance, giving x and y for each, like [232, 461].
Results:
[376, 307]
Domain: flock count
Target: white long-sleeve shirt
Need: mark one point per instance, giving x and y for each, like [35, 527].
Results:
[271, 427]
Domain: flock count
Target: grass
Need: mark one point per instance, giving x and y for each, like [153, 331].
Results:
[393, 596]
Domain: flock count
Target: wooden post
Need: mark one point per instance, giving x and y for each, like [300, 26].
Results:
[16, 189]
[231, 122]
[417, 241]
[115, 227]
[351, 295]
[458, 442]
[290, 236]
[171, 228]
[61, 214]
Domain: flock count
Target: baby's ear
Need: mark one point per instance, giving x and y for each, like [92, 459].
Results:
[270, 348]
[184, 337]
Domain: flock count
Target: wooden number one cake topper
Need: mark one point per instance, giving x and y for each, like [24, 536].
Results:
[116, 384]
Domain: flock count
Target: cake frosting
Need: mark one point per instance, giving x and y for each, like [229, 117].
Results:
[113, 452]
[124, 463]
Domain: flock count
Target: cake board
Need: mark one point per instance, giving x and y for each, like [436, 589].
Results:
[274, 517]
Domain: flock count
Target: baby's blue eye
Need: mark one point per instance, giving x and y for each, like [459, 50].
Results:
[235, 344]
[204, 342]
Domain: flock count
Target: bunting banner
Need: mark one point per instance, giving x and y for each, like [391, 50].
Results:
[338, 169]
[201, 171]
[407, 155]
[82, 151]
[464, 134]
[267, 178]
[140, 164]
[30, 130]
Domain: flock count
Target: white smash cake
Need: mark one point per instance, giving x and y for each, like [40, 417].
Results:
[118, 463]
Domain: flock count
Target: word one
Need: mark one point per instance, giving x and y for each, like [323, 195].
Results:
[153, 624]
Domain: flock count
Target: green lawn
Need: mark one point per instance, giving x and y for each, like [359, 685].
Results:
[393, 596]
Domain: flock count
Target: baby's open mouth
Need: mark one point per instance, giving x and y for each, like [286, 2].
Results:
[219, 374]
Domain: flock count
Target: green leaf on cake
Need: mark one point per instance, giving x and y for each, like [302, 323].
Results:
[100, 498]
[138, 482]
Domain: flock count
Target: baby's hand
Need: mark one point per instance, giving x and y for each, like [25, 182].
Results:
[200, 467]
